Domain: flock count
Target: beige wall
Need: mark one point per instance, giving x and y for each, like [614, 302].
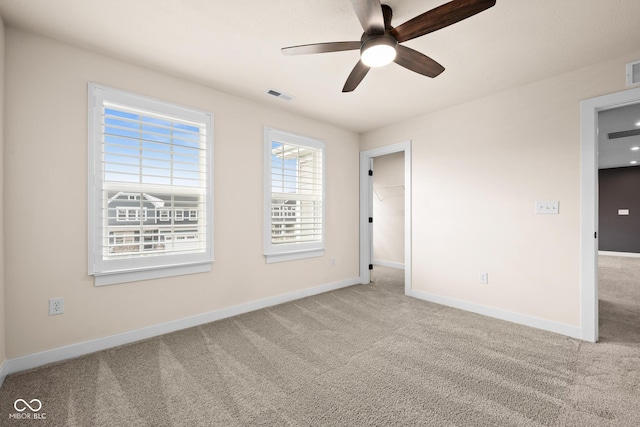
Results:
[2, 282]
[478, 168]
[46, 202]
[388, 208]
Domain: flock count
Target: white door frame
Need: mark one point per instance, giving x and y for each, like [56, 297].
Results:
[365, 203]
[589, 109]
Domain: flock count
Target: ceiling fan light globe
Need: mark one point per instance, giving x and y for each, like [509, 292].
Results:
[378, 56]
[378, 52]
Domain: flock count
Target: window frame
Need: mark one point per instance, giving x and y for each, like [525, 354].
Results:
[294, 251]
[135, 268]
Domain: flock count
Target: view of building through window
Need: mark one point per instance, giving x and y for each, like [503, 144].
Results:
[152, 223]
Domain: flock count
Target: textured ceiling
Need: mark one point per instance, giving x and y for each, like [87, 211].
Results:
[234, 46]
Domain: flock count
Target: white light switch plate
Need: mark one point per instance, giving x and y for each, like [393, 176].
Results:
[547, 207]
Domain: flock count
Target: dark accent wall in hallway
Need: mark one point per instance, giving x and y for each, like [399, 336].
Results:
[619, 188]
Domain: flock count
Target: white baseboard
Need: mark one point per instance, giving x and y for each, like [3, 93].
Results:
[522, 319]
[389, 264]
[31, 361]
[625, 254]
[4, 368]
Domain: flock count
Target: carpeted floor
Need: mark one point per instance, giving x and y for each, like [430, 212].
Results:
[361, 356]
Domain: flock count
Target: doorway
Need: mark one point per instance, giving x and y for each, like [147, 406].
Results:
[589, 112]
[388, 211]
[367, 158]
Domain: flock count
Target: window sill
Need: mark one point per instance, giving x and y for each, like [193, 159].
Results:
[156, 273]
[292, 256]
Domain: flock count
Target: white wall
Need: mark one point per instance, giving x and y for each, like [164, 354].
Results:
[46, 202]
[478, 168]
[388, 209]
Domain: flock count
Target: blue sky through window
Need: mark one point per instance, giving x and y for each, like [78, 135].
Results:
[284, 170]
[151, 150]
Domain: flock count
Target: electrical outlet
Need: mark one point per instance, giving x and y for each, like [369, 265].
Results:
[56, 306]
[484, 278]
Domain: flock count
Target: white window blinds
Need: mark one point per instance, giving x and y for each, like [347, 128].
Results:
[294, 203]
[151, 165]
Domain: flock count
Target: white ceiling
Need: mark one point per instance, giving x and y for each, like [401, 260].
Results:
[234, 46]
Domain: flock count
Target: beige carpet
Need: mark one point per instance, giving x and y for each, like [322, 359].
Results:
[360, 356]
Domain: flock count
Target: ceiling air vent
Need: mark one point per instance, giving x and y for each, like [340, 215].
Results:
[633, 73]
[624, 134]
[279, 94]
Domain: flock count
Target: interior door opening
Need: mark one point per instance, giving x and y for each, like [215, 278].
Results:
[387, 210]
[589, 134]
[618, 178]
[385, 207]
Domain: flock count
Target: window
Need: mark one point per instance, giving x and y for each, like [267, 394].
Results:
[149, 161]
[164, 214]
[130, 214]
[294, 196]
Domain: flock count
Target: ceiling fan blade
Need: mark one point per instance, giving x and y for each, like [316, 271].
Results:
[417, 62]
[320, 48]
[356, 76]
[440, 17]
[370, 15]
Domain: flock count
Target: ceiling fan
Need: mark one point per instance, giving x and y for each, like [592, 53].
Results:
[380, 42]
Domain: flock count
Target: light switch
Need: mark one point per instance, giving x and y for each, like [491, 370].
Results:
[547, 207]
[623, 211]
